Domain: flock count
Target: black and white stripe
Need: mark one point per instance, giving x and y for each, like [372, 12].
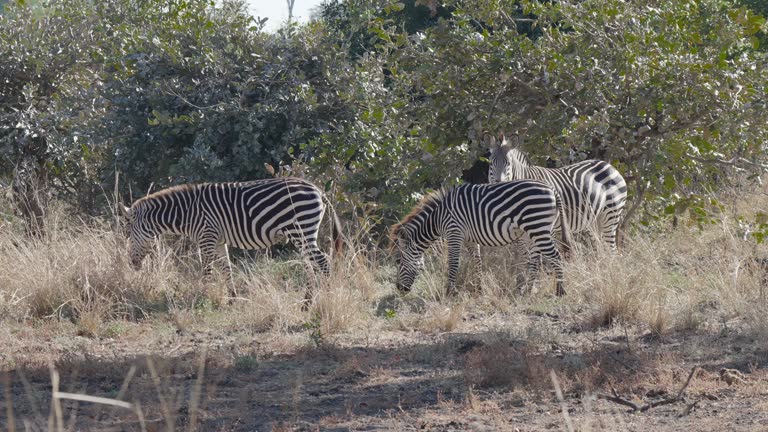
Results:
[594, 192]
[248, 215]
[490, 215]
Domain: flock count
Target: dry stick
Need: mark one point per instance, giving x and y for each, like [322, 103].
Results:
[140, 416]
[123, 388]
[115, 210]
[195, 396]
[689, 408]
[33, 402]
[563, 406]
[9, 402]
[95, 399]
[163, 403]
[677, 398]
[56, 420]
[57, 395]
[687, 381]
[74, 410]
[642, 408]
[626, 338]
[618, 400]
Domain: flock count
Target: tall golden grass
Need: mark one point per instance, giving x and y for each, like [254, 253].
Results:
[664, 279]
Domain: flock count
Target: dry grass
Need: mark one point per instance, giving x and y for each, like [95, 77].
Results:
[80, 273]
[683, 279]
[664, 284]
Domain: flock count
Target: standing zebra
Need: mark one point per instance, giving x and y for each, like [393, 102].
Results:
[593, 191]
[491, 215]
[248, 215]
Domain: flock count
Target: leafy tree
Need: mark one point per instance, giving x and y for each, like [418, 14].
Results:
[382, 99]
[45, 50]
[163, 92]
[761, 8]
[200, 93]
[671, 92]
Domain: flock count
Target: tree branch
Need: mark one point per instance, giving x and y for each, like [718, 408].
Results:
[733, 162]
[645, 407]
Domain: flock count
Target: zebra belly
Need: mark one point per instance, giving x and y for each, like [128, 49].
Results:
[251, 243]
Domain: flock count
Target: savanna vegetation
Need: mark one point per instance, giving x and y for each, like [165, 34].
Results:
[378, 102]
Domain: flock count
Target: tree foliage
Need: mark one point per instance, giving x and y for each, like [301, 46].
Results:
[382, 99]
[671, 92]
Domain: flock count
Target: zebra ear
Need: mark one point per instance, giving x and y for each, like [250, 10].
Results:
[491, 142]
[125, 211]
[513, 141]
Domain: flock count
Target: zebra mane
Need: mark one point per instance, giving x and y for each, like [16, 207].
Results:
[173, 190]
[433, 197]
[518, 155]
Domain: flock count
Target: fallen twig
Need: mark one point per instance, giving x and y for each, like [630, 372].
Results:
[619, 400]
[688, 381]
[645, 407]
[689, 408]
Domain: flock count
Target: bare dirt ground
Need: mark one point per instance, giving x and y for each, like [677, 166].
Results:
[492, 372]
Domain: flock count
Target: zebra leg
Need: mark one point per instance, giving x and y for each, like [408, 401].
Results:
[533, 268]
[609, 226]
[226, 267]
[209, 253]
[213, 252]
[478, 259]
[546, 247]
[315, 260]
[454, 253]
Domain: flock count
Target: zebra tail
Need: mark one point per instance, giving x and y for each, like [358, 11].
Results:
[338, 241]
[564, 229]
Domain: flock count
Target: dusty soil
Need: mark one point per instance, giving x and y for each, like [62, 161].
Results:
[493, 373]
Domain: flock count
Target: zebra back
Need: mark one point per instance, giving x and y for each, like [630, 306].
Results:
[248, 215]
[594, 192]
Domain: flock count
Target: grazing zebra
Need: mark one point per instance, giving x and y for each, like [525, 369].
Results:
[248, 215]
[593, 191]
[491, 215]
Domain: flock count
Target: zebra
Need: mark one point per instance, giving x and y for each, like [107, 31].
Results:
[491, 215]
[594, 192]
[247, 215]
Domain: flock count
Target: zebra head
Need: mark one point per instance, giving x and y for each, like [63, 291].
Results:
[140, 234]
[409, 257]
[505, 164]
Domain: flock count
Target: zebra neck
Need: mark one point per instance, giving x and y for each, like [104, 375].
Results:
[177, 213]
[429, 227]
[519, 166]
[533, 172]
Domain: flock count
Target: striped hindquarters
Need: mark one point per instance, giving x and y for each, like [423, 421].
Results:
[593, 192]
[258, 214]
[496, 215]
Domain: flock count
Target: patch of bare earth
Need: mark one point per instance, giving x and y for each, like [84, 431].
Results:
[490, 373]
